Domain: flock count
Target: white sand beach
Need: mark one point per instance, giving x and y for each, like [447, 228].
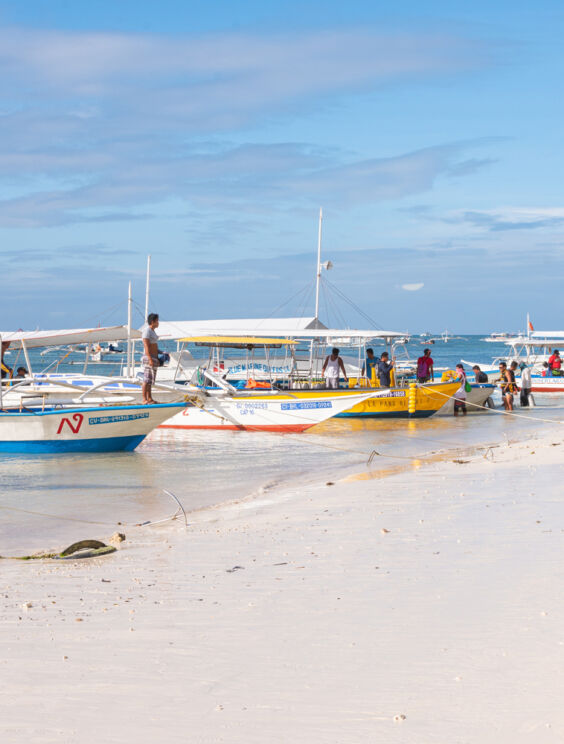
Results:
[418, 603]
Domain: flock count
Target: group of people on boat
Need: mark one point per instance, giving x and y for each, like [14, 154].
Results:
[374, 367]
[553, 368]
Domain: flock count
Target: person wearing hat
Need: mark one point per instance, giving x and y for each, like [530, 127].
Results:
[526, 384]
[555, 364]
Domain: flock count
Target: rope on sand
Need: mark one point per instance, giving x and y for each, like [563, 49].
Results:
[81, 549]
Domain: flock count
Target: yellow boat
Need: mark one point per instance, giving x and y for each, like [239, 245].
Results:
[423, 400]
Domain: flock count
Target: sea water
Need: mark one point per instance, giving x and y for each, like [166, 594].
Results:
[50, 501]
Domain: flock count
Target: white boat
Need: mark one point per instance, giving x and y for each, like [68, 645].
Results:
[445, 337]
[83, 429]
[533, 349]
[477, 399]
[268, 410]
[499, 338]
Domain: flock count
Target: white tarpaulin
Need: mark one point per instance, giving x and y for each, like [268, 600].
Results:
[68, 337]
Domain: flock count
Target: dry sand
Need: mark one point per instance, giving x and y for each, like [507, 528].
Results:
[419, 604]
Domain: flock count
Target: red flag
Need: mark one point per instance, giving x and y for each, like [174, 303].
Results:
[531, 326]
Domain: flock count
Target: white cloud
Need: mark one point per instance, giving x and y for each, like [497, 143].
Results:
[509, 218]
[226, 178]
[413, 287]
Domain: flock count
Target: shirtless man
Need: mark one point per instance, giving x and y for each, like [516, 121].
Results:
[150, 357]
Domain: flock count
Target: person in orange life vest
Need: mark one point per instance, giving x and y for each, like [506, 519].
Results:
[507, 379]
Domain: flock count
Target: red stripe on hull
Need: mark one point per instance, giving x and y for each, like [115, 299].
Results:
[232, 427]
[550, 389]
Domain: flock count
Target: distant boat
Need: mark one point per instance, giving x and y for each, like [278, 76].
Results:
[445, 337]
[499, 338]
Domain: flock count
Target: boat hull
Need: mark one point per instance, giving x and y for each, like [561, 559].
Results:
[100, 429]
[394, 403]
[546, 384]
[475, 399]
[288, 412]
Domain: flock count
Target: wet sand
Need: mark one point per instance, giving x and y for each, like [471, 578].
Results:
[415, 602]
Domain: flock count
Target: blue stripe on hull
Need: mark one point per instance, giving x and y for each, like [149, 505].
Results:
[389, 414]
[110, 444]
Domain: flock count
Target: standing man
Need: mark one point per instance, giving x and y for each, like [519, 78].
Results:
[460, 395]
[384, 369]
[150, 357]
[4, 367]
[526, 385]
[370, 363]
[507, 379]
[332, 365]
[425, 371]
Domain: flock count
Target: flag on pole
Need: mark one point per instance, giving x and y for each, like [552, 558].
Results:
[531, 326]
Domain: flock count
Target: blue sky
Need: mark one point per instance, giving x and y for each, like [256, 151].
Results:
[209, 134]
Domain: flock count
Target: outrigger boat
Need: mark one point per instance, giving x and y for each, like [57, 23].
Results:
[85, 429]
[260, 405]
[67, 427]
[290, 395]
[533, 349]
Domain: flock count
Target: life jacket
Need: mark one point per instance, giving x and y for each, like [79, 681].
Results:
[252, 384]
[509, 386]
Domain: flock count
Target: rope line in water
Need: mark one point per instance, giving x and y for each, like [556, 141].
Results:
[501, 411]
[105, 524]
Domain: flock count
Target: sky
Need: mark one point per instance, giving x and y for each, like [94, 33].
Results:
[210, 134]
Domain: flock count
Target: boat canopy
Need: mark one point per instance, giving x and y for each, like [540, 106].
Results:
[540, 341]
[299, 328]
[548, 334]
[236, 341]
[34, 339]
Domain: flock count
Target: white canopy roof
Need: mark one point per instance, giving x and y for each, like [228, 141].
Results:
[547, 334]
[268, 327]
[33, 339]
[173, 329]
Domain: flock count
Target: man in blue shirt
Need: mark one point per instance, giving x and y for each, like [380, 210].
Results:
[370, 363]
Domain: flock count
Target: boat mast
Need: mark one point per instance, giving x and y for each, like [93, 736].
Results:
[147, 288]
[129, 349]
[318, 272]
